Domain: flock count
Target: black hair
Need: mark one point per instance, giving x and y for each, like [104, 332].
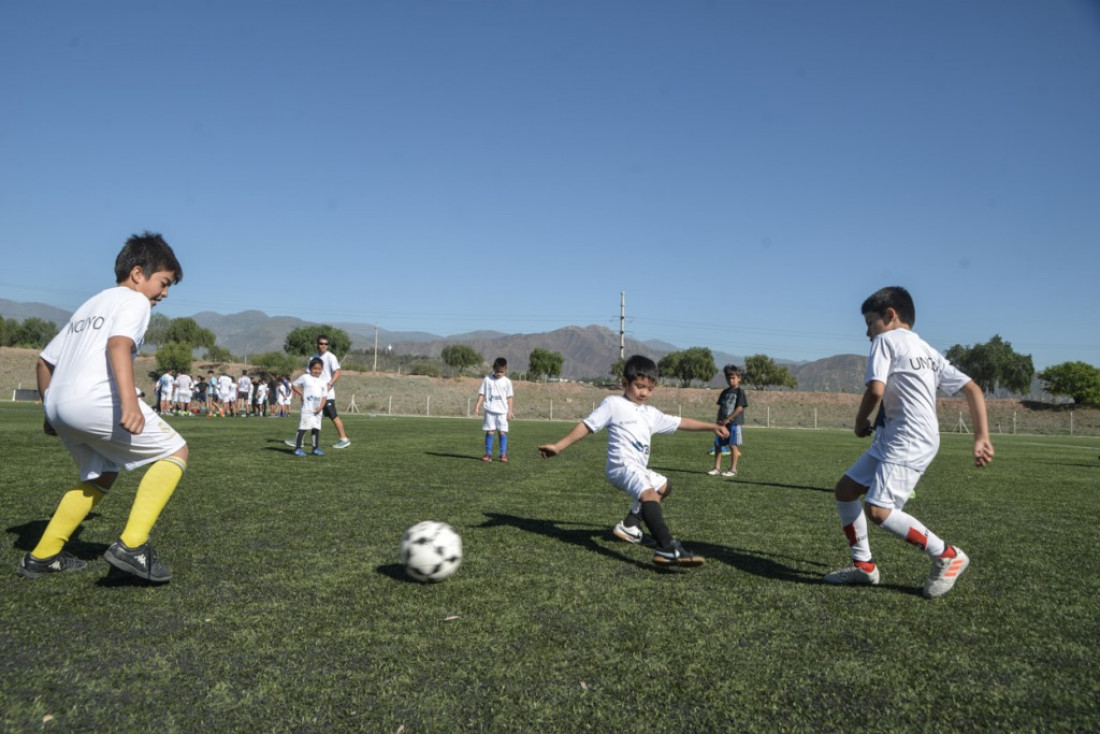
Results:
[499, 362]
[149, 252]
[639, 366]
[895, 297]
[316, 360]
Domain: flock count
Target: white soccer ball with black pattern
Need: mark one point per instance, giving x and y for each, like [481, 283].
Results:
[431, 551]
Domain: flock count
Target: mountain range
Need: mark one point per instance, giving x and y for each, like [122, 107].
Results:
[587, 351]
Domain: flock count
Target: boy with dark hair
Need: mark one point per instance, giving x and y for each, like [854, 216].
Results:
[630, 425]
[86, 379]
[731, 413]
[497, 396]
[903, 374]
[312, 388]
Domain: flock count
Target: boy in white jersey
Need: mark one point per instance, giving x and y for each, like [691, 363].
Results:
[903, 373]
[312, 388]
[331, 374]
[86, 379]
[497, 396]
[630, 425]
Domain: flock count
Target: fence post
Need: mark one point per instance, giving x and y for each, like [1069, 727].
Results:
[389, 410]
[551, 410]
[768, 424]
[815, 419]
[428, 408]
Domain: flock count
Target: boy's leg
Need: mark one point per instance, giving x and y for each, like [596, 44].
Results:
[503, 445]
[854, 523]
[153, 493]
[488, 444]
[948, 561]
[71, 511]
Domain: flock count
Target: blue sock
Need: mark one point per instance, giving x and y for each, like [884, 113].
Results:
[488, 444]
[503, 444]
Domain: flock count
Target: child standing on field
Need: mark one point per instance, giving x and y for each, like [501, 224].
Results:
[630, 425]
[86, 379]
[903, 373]
[312, 388]
[731, 413]
[497, 397]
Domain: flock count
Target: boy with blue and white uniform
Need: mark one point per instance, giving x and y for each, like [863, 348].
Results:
[312, 388]
[498, 398]
[86, 379]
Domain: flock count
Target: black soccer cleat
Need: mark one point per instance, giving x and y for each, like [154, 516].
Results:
[32, 568]
[139, 562]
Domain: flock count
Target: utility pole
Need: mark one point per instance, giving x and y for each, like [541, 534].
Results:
[375, 348]
[622, 325]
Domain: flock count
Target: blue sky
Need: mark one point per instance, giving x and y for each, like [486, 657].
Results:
[745, 171]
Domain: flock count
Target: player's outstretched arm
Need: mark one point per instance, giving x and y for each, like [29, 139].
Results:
[975, 401]
[690, 424]
[553, 449]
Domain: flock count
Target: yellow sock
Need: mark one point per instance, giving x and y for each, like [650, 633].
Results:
[71, 511]
[153, 493]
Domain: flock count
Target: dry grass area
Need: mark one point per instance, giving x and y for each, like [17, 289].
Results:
[392, 394]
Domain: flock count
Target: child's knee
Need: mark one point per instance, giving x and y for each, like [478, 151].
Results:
[878, 514]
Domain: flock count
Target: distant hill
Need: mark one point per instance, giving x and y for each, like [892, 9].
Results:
[588, 351]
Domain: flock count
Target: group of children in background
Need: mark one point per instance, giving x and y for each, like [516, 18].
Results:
[260, 395]
[93, 357]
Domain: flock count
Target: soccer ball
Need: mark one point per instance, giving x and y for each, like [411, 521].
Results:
[431, 551]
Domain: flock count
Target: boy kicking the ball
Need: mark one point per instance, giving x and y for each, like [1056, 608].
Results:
[86, 379]
[630, 425]
[903, 374]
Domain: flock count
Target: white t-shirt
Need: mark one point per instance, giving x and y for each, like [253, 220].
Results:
[496, 391]
[329, 367]
[167, 384]
[81, 371]
[183, 383]
[630, 428]
[244, 385]
[912, 371]
[313, 392]
[225, 387]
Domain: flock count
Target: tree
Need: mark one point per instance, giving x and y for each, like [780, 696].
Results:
[695, 363]
[278, 363]
[187, 331]
[618, 367]
[217, 354]
[174, 356]
[542, 362]
[761, 371]
[1079, 380]
[157, 332]
[994, 365]
[303, 340]
[460, 356]
[34, 332]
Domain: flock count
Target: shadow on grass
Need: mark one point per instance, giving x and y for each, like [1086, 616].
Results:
[582, 536]
[440, 455]
[28, 534]
[714, 480]
[767, 565]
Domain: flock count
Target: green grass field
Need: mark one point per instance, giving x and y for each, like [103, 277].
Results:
[288, 611]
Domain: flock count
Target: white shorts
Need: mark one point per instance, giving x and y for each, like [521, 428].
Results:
[184, 396]
[495, 422]
[888, 485]
[100, 446]
[634, 481]
[310, 421]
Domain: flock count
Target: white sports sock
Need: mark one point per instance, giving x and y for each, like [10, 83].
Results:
[913, 531]
[854, 523]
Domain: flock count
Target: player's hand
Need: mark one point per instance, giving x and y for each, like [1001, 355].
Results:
[983, 452]
[548, 450]
[48, 429]
[722, 432]
[133, 420]
[865, 430]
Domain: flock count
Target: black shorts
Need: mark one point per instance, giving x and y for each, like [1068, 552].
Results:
[330, 410]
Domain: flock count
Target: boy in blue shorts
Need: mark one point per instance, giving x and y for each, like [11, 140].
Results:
[902, 376]
[731, 413]
[630, 425]
[86, 379]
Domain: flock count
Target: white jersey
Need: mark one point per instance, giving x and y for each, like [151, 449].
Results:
[183, 383]
[496, 391]
[225, 387]
[912, 371]
[329, 366]
[166, 384]
[630, 428]
[244, 386]
[81, 371]
[313, 397]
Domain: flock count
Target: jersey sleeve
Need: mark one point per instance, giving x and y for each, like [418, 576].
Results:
[599, 418]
